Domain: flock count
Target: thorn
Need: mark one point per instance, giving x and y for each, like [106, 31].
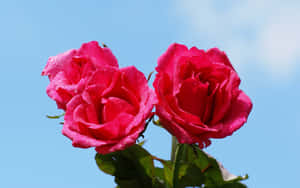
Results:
[149, 120]
[156, 122]
[149, 76]
[104, 45]
[206, 168]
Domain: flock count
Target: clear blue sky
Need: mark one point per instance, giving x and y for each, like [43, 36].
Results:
[34, 153]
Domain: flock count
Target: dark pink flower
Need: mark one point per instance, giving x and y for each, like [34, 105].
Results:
[67, 71]
[198, 95]
[111, 111]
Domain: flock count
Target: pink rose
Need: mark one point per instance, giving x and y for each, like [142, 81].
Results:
[111, 111]
[66, 70]
[198, 95]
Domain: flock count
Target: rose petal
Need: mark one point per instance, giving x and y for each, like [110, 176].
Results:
[114, 129]
[99, 56]
[175, 129]
[135, 81]
[192, 97]
[217, 56]
[118, 89]
[167, 62]
[58, 63]
[223, 97]
[236, 117]
[71, 128]
[114, 106]
[122, 143]
[60, 90]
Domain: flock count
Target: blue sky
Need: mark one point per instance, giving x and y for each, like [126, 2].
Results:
[260, 38]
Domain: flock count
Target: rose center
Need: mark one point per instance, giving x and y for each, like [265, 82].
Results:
[112, 107]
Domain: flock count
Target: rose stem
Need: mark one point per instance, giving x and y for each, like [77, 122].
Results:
[174, 145]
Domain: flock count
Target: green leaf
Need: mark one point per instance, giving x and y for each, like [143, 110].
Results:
[190, 175]
[106, 163]
[214, 172]
[55, 116]
[159, 178]
[159, 174]
[141, 159]
[185, 172]
[116, 164]
[228, 185]
[141, 143]
[134, 168]
[127, 183]
[131, 167]
[168, 173]
[193, 167]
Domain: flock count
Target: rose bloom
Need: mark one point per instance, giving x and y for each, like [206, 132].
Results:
[111, 111]
[66, 70]
[198, 95]
[105, 107]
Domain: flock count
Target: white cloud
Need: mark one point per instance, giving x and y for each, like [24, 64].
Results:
[266, 32]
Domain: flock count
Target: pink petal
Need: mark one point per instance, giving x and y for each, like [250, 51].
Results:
[99, 56]
[114, 106]
[192, 96]
[71, 128]
[122, 144]
[135, 81]
[58, 63]
[167, 62]
[223, 97]
[217, 56]
[236, 117]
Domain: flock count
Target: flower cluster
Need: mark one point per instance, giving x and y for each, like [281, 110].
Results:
[197, 96]
[106, 107]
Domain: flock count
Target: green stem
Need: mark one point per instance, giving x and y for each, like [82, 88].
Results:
[174, 146]
[178, 157]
